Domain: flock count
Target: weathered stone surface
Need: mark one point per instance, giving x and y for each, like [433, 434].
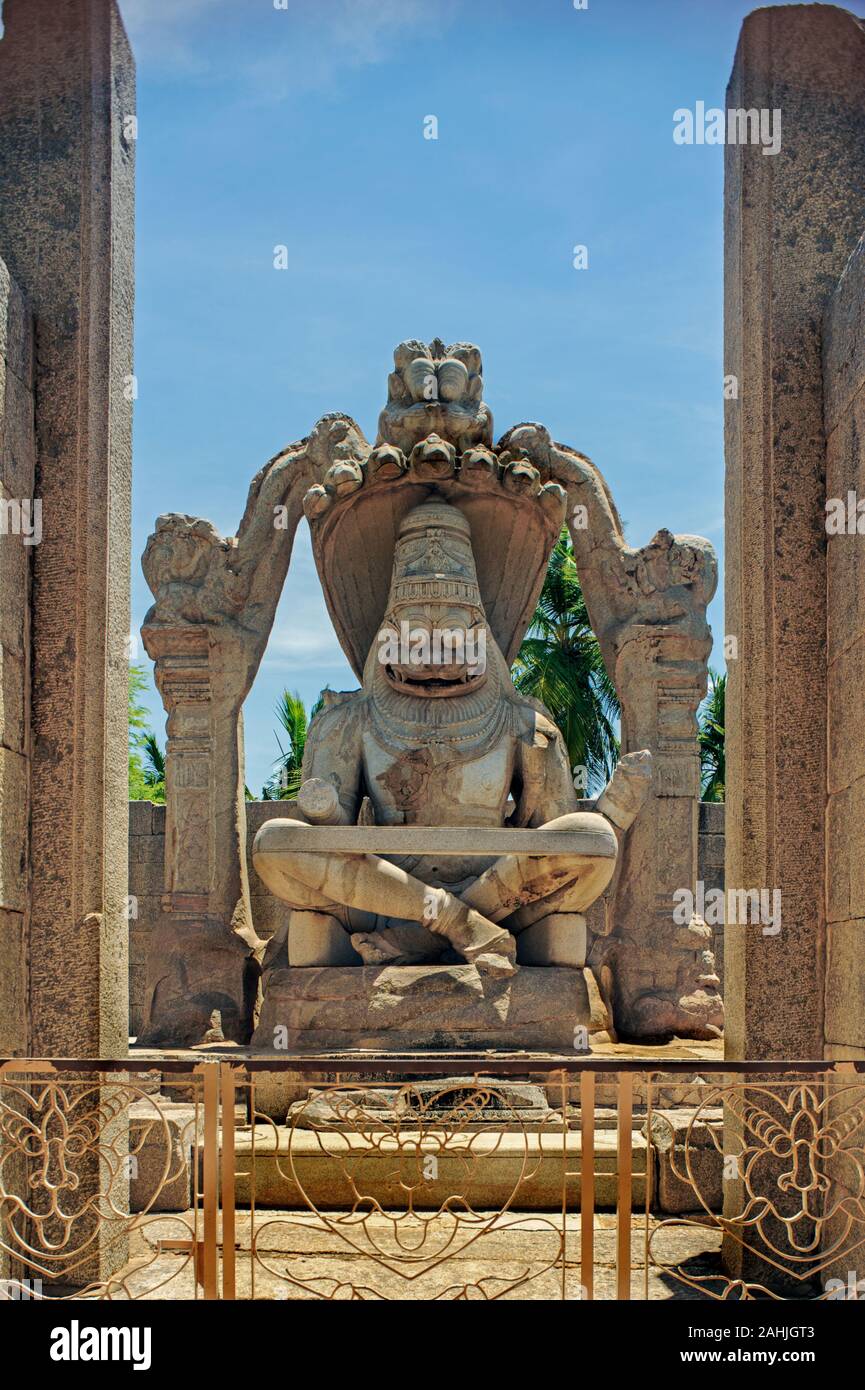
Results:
[14, 703]
[711, 817]
[162, 1136]
[13, 984]
[845, 984]
[520, 1168]
[395, 1008]
[14, 773]
[791, 222]
[690, 1159]
[17, 470]
[454, 1099]
[585, 834]
[435, 390]
[194, 967]
[844, 344]
[315, 938]
[15, 574]
[844, 393]
[559, 939]
[270, 915]
[67, 91]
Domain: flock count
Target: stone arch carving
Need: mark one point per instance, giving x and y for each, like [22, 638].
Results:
[215, 600]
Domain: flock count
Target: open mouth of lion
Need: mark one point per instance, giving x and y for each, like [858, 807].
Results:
[434, 682]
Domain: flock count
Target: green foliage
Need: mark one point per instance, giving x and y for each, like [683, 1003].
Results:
[710, 718]
[560, 664]
[146, 758]
[294, 721]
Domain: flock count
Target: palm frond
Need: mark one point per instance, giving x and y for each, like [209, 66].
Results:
[154, 758]
[284, 784]
[560, 664]
[711, 721]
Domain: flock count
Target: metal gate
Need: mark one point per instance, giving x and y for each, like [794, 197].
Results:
[431, 1179]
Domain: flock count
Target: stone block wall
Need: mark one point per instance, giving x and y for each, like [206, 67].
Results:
[146, 849]
[710, 867]
[17, 485]
[844, 411]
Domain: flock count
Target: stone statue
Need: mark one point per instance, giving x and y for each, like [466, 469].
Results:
[438, 736]
[431, 546]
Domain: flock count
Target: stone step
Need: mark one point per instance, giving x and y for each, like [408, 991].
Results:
[490, 1170]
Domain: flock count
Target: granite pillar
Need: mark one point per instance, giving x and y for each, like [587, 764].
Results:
[791, 221]
[67, 91]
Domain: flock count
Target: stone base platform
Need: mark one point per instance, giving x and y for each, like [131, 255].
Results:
[412, 1007]
[325, 1169]
[276, 1090]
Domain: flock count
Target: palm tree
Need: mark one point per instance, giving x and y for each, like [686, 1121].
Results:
[710, 718]
[154, 760]
[291, 713]
[560, 663]
[146, 759]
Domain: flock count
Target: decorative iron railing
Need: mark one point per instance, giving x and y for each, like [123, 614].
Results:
[431, 1178]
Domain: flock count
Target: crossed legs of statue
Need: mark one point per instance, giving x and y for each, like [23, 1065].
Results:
[518, 887]
[368, 883]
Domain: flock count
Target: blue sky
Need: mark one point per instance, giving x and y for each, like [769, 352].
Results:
[304, 127]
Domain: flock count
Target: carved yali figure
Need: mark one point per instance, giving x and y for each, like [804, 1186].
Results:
[438, 736]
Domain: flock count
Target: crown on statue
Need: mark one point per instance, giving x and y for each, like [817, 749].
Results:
[433, 560]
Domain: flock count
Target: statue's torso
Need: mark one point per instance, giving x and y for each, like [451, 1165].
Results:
[428, 786]
[475, 763]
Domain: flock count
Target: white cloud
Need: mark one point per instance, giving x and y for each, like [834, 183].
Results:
[303, 48]
[323, 42]
[301, 645]
[162, 31]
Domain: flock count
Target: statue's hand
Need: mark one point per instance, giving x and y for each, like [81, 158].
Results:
[627, 789]
[318, 801]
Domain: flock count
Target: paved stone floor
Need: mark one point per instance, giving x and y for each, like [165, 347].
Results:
[301, 1256]
[425, 1256]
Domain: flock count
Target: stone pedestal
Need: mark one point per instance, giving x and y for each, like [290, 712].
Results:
[409, 1008]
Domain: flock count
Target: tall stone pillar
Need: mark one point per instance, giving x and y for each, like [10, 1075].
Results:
[17, 517]
[844, 381]
[791, 221]
[67, 93]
